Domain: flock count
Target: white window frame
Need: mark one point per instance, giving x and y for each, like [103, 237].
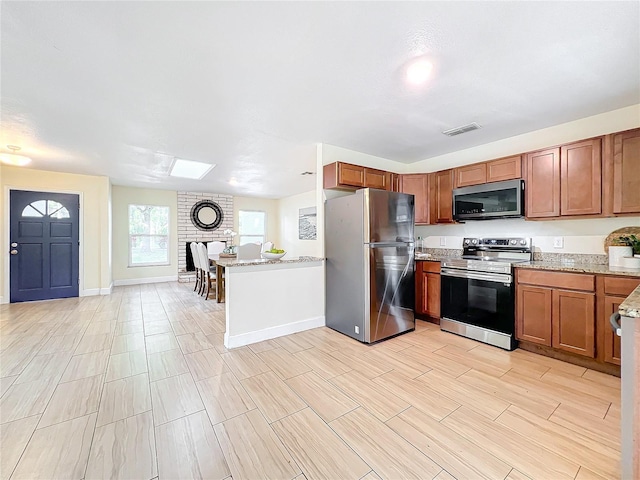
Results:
[264, 235]
[168, 235]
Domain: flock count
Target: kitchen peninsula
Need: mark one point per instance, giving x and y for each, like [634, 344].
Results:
[269, 298]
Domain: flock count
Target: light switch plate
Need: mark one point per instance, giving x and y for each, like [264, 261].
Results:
[558, 242]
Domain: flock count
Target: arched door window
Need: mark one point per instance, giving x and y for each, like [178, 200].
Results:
[43, 208]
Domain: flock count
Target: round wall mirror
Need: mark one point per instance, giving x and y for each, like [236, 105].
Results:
[206, 215]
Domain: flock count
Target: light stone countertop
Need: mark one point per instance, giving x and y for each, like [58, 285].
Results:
[631, 306]
[233, 262]
[579, 268]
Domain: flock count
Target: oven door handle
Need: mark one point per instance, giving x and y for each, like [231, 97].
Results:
[489, 277]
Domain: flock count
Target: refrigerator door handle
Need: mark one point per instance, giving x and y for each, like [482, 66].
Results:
[614, 319]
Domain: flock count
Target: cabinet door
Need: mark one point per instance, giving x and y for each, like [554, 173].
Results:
[533, 317]
[441, 196]
[475, 174]
[626, 172]
[427, 292]
[611, 340]
[392, 181]
[418, 185]
[509, 168]
[543, 184]
[432, 295]
[573, 320]
[581, 178]
[375, 178]
[352, 175]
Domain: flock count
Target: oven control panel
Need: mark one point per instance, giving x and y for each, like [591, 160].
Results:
[499, 243]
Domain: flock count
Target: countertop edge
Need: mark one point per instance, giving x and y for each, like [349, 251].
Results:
[631, 306]
[232, 263]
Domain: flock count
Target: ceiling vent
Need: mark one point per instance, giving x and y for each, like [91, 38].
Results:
[463, 129]
[307, 173]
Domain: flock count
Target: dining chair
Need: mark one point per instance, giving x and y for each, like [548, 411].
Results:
[248, 251]
[266, 246]
[215, 248]
[207, 276]
[195, 256]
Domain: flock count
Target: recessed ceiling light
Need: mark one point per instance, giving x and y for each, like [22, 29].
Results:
[233, 181]
[13, 159]
[190, 169]
[419, 71]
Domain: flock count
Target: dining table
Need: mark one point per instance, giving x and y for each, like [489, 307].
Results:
[213, 260]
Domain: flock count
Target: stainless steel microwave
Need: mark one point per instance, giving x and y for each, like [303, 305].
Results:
[491, 200]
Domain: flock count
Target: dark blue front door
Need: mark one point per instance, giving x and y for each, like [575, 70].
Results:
[44, 245]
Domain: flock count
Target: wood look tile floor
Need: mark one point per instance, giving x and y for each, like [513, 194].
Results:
[138, 385]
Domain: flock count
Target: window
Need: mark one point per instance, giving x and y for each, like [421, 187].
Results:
[148, 235]
[43, 208]
[251, 226]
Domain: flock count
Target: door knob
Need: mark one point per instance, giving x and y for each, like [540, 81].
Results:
[14, 245]
[14, 252]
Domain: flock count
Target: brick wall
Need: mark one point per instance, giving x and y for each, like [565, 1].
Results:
[188, 232]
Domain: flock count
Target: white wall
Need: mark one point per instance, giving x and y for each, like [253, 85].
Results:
[122, 197]
[285, 298]
[289, 209]
[95, 271]
[609, 122]
[584, 236]
[267, 205]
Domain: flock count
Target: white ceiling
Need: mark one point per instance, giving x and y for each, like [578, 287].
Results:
[105, 87]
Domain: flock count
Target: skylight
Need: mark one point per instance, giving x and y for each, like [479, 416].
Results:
[190, 169]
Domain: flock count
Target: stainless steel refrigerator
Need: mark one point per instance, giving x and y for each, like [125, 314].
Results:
[369, 264]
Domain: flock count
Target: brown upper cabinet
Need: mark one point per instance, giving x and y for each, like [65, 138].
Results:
[418, 186]
[475, 174]
[350, 177]
[565, 181]
[581, 178]
[509, 168]
[543, 183]
[626, 172]
[441, 196]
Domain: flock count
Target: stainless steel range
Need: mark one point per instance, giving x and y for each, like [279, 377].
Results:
[478, 290]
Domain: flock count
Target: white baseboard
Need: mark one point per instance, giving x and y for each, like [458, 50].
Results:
[89, 292]
[2, 300]
[106, 291]
[140, 281]
[272, 332]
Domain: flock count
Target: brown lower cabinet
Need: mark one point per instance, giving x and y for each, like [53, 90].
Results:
[428, 288]
[570, 312]
[573, 322]
[533, 318]
[561, 318]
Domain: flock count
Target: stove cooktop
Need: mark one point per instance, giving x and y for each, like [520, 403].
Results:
[494, 255]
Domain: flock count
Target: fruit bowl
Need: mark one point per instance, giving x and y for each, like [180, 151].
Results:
[273, 256]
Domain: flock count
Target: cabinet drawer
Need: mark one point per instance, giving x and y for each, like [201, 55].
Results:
[620, 286]
[570, 281]
[429, 266]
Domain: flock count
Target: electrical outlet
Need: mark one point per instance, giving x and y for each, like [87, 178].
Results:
[357, 329]
[443, 241]
[558, 242]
